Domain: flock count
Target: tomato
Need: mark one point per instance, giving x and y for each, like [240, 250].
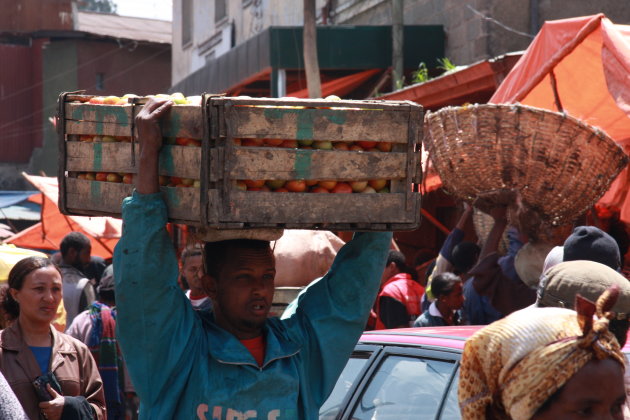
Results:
[342, 187]
[296, 185]
[367, 144]
[251, 183]
[320, 190]
[329, 185]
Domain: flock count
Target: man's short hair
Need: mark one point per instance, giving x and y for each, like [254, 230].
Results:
[397, 258]
[443, 284]
[191, 251]
[215, 253]
[74, 240]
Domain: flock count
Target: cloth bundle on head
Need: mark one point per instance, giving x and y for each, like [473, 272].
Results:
[560, 285]
[593, 244]
[511, 367]
[529, 262]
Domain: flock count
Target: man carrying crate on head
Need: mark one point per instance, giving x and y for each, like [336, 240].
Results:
[233, 363]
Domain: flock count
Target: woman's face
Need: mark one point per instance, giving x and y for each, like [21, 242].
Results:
[595, 392]
[40, 295]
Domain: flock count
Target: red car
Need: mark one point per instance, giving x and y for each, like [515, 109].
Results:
[409, 373]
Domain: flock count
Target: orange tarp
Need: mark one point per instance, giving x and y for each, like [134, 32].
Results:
[341, 86]
[103, 232]
[590, 59]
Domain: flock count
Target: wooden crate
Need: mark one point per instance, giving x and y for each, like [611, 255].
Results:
[219, 163]
[99, 198]
[399, 123]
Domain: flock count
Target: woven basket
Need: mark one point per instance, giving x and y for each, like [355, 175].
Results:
[558, 165]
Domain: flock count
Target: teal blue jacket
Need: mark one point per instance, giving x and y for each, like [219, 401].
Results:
[184, 366]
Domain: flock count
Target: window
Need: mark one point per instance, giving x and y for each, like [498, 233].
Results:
[100, 81]
[220, 10]
[331, 408]
[451, 406]
[187, 22]
[404, 387]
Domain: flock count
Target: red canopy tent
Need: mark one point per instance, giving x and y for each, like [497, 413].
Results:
[582, 66]
[103, 232]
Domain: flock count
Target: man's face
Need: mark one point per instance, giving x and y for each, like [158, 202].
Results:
[193, 272]
[84, 256]
[79, 258]
[243, 292]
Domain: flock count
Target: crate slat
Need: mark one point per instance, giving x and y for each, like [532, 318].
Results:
[82, 118]
[279, 208]
[317, 124]
[287, 164]
[179, 161]
[105, 199]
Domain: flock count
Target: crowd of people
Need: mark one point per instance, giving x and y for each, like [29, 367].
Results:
[192, 338]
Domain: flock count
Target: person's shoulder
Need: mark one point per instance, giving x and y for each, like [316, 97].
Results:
[69, 344]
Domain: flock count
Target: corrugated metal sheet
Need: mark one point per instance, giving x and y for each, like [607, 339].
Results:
[138, 29]
[18, 125]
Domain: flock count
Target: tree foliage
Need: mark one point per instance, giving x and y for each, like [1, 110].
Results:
[101, 6]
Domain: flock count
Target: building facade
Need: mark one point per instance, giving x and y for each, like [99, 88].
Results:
[51, 47]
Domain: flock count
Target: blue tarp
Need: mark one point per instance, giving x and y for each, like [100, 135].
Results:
[9, 198]
[13, 206]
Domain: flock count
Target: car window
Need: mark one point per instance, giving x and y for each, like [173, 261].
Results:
[451, 405]
[404, 387]
[331, 408]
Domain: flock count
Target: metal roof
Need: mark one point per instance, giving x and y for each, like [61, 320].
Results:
[125, 27]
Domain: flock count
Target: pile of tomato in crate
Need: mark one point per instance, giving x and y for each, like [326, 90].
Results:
[252, 163]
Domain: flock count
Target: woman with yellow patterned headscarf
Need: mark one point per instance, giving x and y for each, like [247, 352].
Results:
[545, 363]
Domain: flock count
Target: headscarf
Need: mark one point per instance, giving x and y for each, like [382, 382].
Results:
[511, 367]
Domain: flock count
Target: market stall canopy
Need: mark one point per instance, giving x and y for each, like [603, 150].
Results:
[587, 59]
[103, 232]
[10, 255]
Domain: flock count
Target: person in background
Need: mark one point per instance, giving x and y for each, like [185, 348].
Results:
[191, 274]
[508, 282]
[94, 269]
[32, 349]
[398, 302]
[96, 328]
[78, 292]
[545, 364]
[456, 256]
[449, 299]
[593, 244]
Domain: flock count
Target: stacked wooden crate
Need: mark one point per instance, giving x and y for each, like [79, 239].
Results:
[233, 163]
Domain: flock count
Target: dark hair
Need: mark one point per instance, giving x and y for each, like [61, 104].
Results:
[16, 280]
[397, 258]
[191, 251]
[464, 257]
[216, 252]
[443, 284]
[74, 240]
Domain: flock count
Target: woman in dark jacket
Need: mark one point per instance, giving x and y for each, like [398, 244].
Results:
[52, 374]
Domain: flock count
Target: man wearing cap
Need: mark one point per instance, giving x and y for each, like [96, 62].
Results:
[96, 328]
[231, 363]
[593, 244]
